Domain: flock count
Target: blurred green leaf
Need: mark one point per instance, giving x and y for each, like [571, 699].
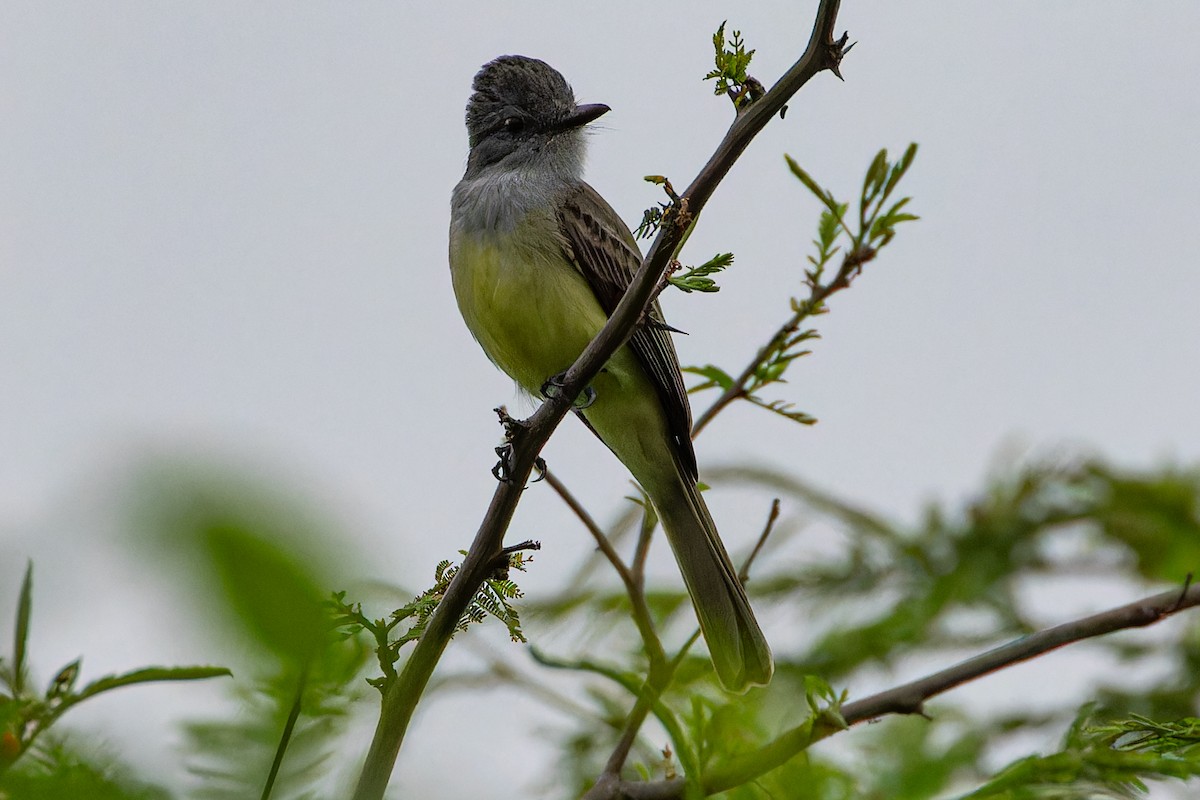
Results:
[58, 772]
[151, 675]
[715, 377]
[1156, 516]
[21, 631]
[277, 598]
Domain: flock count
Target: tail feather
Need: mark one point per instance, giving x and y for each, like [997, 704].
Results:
[736, 643]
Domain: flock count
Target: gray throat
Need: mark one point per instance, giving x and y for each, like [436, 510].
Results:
[497, 199]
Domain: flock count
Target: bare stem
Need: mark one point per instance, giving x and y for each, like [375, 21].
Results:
[772, 518]
[632, 580]
[610, 777]
[602, 542]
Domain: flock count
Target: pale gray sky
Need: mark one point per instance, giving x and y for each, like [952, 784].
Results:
[222, 232]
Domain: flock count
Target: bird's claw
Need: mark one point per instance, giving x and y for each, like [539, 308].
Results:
[553, 388]
[503, 468]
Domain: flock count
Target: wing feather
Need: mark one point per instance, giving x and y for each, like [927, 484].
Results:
[601, 247]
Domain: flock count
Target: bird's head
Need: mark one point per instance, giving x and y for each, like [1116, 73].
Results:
[522, 115]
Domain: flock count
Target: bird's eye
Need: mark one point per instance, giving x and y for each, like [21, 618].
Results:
[513, 125]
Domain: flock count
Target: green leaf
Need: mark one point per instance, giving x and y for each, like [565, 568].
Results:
[63, 683]
[151, 675]
[280, 603]
[876, 174]
[784, 409]
[822, 195]
[900, 168]
[696, 279]
[21, 634]
[715, 375]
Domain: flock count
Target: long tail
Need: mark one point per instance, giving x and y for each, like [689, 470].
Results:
[738, 648]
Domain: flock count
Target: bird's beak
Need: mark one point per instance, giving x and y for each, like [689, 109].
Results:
[582, 115]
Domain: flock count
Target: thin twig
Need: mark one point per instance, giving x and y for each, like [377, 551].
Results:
[610, 777]
[909, 698]
[642, 550]
[285, 738]
[602, 542]
[818, 294]
[633, 583]
[744, 574]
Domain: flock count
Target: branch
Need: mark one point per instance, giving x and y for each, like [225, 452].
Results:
[634, 584]
[910, 698]
[602, 542]
[609, 783]
[818, 294]
[401, 698]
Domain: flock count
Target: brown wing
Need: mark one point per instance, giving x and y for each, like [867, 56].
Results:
[604, 251]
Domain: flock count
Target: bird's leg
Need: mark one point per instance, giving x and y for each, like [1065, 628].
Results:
[512, 429]
[539, 466]
[553, 388]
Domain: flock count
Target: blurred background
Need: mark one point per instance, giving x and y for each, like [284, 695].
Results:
[223, 250]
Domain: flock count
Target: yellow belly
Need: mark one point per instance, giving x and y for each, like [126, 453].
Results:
[530, 310]
[533, 314]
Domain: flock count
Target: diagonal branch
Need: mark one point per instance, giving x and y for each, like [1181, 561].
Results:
[610, 779]
[818, 294]
[910, 698]
[401, 698]
[633, 579]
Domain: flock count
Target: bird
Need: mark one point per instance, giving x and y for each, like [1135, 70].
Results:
[538, 261]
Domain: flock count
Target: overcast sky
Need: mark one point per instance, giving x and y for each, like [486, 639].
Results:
[223, 234]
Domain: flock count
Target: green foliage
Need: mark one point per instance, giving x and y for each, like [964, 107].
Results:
[949, 586]
[52, 770]
[654, 217]
[858, 245]
[1091, 765]
[271, 592]
[696, 279]
[731, 61]
[1136, 513]
[232, 754]
[1180, 737]
[494, 599]
[270, 562]
[25, 715]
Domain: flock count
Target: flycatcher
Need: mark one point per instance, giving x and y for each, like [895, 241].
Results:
[539, 261]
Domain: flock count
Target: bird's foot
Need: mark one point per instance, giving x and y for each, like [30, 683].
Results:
[553, 388]
[513, 428]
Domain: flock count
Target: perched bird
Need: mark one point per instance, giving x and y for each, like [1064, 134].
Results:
[538, 261]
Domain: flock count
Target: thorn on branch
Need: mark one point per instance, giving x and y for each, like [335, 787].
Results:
[1187, 584]
[837, 50]
[528, 544]
[504, 558]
